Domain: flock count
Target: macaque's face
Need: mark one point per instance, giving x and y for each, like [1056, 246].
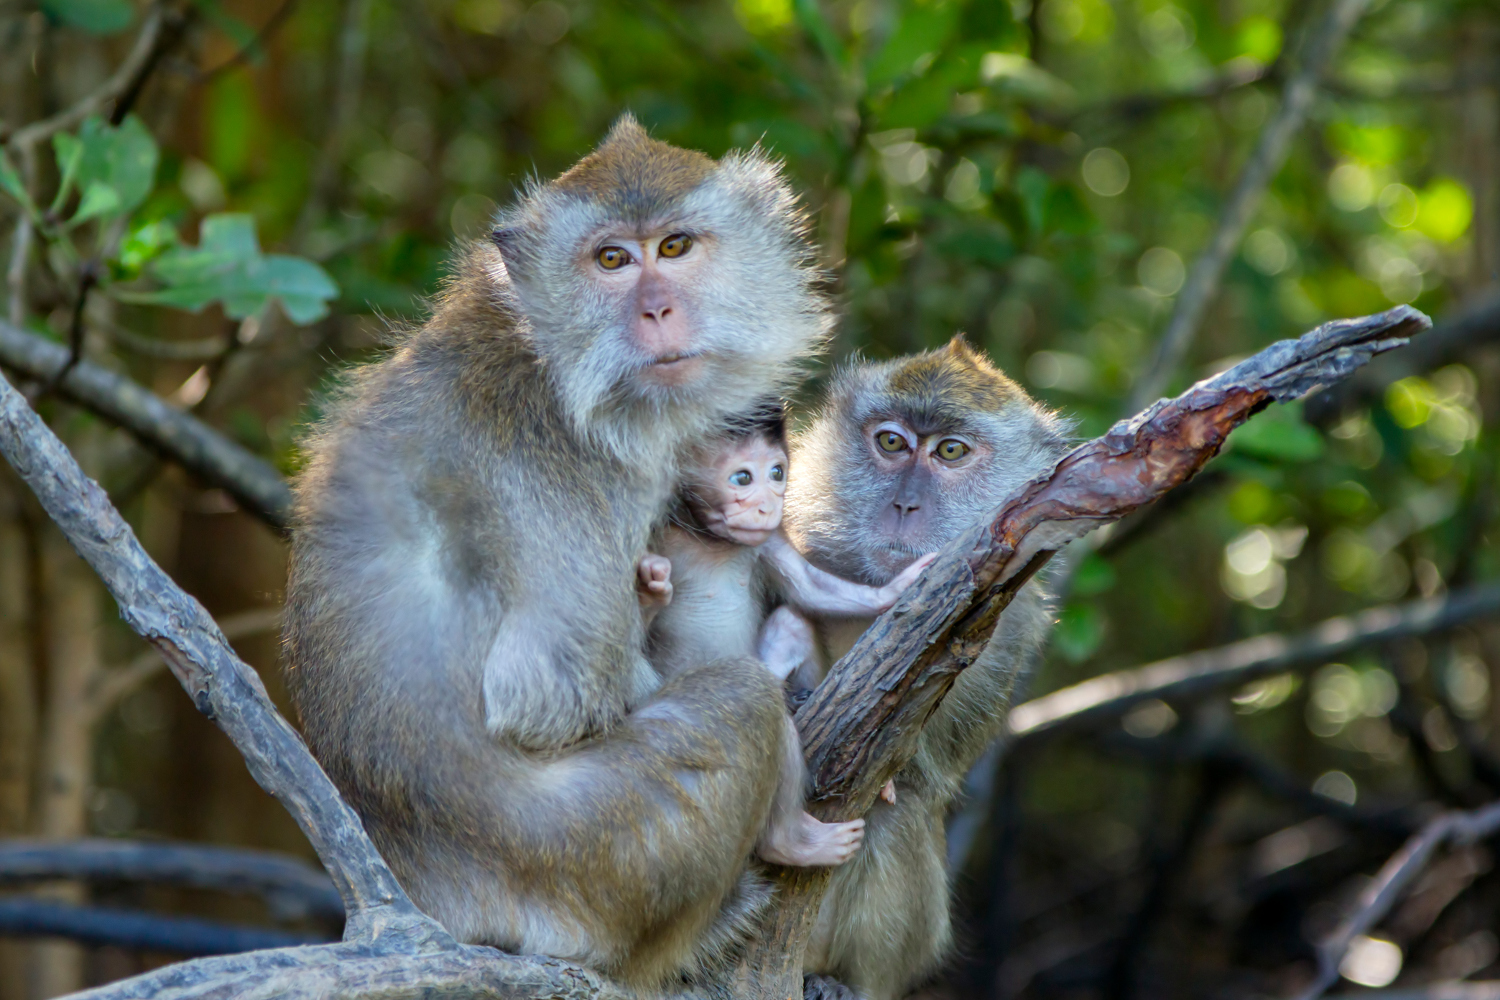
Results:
[918, 469]
[651, 278]
[738, 490]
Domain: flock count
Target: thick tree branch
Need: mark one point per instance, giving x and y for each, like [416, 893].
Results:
[179, 436]
[1207, 671]
[1390, 883]
[1264, 164]
[1452, 339]
[285, 881]
[22, 916]
[860, 726]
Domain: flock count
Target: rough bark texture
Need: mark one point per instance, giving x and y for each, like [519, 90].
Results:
[858, 727]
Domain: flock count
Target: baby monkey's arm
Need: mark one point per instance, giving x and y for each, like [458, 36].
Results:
[822, 593]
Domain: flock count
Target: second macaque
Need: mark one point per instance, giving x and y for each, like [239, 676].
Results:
[720, 563]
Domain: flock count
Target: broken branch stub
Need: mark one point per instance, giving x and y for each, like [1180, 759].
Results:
[861, 724]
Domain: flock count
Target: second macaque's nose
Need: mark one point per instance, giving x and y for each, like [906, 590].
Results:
[903, 508]
[654, 300]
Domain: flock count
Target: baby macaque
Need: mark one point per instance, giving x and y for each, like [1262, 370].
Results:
[721, 561]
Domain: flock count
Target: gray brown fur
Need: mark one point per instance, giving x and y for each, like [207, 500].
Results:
[884, 925]
[463, 642]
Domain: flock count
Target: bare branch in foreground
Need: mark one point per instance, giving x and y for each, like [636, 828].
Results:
[119, 682]
[179, 436]
[1453, 990]
[1196, 675]
[1391, 881]
[1260, 169]
[861, 724]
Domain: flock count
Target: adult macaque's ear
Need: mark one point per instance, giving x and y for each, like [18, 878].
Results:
[507, 240]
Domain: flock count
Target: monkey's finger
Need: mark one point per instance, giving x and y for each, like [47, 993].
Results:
[888, 791]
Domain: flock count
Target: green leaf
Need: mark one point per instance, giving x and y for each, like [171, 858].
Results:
[1279, 435]
[1094, 576]
[10, 181]
[98, 199]
[227, 266]
[923, 30]
[145, 244]
[810, 17]
[981, 243]
[98, 17]
[1080, 631]
[122, 160]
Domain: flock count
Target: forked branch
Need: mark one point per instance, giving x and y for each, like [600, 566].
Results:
[859, 727]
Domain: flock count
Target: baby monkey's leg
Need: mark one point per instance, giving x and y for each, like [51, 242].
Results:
[792, 836]
[786, 642]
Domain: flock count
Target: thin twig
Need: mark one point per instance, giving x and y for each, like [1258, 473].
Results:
[143, 56]
[119, 682]
[354, 40]
[22, 916]
[185, 439]
[1207, 671]
[1390, 883]
[1264, 164]
[255, 46]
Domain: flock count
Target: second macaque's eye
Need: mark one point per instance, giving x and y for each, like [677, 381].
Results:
[778, 474]
[890, 441]
[741, 477]
[951, 449]
[613, 258]
[676, 245]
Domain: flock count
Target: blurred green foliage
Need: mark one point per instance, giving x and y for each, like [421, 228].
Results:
[1038, 173]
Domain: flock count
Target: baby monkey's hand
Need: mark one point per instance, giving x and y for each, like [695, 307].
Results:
[654, 581]
[905, 578]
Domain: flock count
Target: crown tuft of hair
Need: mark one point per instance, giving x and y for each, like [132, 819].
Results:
[633, 175]
[954, 376]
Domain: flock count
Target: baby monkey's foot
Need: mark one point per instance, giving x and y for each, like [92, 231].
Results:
[813, 844]
[654, 580]
[888, 791]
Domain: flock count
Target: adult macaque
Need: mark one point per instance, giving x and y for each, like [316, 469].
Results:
[705, 587]
[463, 638]
[901, 457]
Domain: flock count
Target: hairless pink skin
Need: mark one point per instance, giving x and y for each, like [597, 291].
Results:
[743, 491]
[663, 329]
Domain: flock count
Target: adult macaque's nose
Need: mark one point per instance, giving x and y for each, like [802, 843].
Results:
[905, 507]
[654, 299]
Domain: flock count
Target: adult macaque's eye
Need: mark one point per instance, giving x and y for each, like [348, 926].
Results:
[741, 477]
[890, 441]
[613, 258]
[676, 245]
[777, 473]
[951, 449]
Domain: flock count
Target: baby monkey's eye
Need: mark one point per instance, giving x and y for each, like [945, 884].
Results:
[777, 473]
[890, 441]
[741, 477]
[675, 245]
[951, 449]
[613, 258]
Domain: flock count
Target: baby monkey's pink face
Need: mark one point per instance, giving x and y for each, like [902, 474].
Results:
[738, 490]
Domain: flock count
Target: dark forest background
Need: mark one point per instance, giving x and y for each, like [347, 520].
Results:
[291, 177]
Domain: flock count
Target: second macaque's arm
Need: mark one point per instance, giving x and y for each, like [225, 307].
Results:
[821, 593]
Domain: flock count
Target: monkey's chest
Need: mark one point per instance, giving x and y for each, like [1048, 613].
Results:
[714, 613]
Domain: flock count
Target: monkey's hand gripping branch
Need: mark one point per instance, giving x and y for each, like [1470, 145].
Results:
[860, 726]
